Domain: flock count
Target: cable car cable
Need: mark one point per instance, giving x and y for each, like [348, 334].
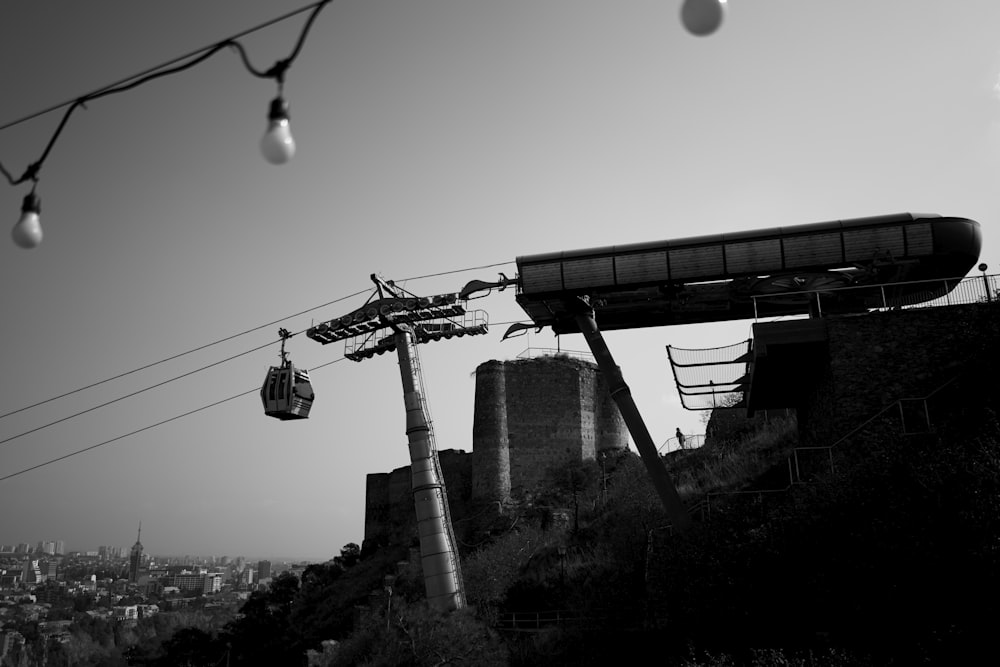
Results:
[179, 355]
[145, 389]
[204, 407]
[144, 428]
[236, 335]
[134, 393]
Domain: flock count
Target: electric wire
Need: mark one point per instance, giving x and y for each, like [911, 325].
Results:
[144, 428]
[191, 54]
[277, 72]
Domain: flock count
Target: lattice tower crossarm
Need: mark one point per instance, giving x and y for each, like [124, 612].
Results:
[438, 548]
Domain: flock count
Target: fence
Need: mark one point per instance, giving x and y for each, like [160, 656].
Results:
[536, 352]
[893, 296]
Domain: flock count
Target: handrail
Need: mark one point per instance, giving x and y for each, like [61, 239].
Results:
[969, 289]
[878, 414]
[792, 475]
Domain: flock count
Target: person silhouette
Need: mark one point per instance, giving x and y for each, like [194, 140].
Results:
[680, 438]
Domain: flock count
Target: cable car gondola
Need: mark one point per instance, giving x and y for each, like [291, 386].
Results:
[286, 392]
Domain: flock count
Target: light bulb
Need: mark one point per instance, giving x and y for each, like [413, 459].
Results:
[27, 233]
[277, 144]
[702, 17]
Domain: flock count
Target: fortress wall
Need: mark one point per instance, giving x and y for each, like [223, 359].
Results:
[377, 506]
[390, 517]
[543, 419]
[880, 357]
[490, 445]
[588, 412]
[610, 431]
[530, 415]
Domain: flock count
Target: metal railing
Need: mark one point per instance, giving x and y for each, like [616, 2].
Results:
[795, 476]
[535, 621]
[693, 441]
[899, 405]
[898, 296]
[536, 352]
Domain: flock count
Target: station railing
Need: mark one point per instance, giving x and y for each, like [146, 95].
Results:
[899, 296]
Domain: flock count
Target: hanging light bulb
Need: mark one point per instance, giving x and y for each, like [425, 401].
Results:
[277, 144]
[702, 17]
[27, 233]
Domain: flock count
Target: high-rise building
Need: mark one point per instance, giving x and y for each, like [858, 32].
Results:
[60, 547]
[263, 570]
[30, 572]
[135, 559]
[48, 569]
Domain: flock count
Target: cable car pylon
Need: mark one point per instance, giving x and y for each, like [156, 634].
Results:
[398, 320]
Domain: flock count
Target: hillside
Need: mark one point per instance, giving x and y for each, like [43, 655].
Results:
[882, 550]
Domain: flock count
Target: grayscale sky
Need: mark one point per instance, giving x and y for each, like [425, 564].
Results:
[433, 135]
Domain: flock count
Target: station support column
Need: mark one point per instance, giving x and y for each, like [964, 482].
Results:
[438, 552]
[622, 396]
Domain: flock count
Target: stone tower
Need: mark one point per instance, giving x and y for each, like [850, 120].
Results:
[534, 414]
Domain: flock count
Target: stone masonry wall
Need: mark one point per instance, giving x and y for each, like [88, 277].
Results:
[490, 442]
[881, 357]
[530, 415]
[390, 517]
[551, 411]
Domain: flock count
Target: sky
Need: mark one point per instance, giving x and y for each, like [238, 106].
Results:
[433, 136]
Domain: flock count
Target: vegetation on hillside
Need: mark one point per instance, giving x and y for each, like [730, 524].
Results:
[890, 558]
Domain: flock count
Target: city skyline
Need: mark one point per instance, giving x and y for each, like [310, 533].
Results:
[432, 137]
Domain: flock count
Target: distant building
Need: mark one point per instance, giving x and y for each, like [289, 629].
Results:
[31, 574]
[48, 569]
[10, 642]
[205, 583]
[135, 558]
[263, 570]
[246, 581]
[126, 613]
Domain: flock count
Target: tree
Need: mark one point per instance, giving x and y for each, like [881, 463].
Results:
[349, 556]
[191, 647]
[263, 633]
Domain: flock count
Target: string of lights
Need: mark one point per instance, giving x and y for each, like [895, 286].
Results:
[699, 17]
[277, 144]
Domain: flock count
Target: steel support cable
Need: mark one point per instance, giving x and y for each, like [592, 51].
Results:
[181, 354]
[144, 428]
[236, 335]
[167, 381]
[204, 407]
[134, 393]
